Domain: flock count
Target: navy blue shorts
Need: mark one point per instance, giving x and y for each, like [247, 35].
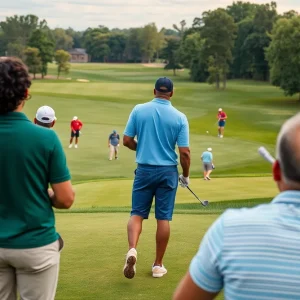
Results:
[75, 134]
[221, 123]
[154, 181]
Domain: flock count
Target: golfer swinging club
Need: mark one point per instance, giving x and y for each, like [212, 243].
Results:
[221, 123]
[158, 127]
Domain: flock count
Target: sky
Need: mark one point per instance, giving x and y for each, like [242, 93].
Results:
[81, 14]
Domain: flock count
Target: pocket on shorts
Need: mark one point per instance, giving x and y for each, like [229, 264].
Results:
[170, 180]
[61, 244]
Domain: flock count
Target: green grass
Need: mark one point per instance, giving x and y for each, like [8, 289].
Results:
[96, 244]
[95, 228]
[255, 114]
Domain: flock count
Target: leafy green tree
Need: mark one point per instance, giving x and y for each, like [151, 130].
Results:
[283, 55]
[133, 45]
[219, 32]
[77, 36]
[117, 44]
[19, 28]
[148, 42]
[62, 59]
[62, 39]
[15, 49]
[40, 40]
[180, 29]
[33, 60]
[170, 53]
[241, 10]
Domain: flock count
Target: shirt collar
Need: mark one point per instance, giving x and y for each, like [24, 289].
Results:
[162, 101]
[288, 197]
[14, 116]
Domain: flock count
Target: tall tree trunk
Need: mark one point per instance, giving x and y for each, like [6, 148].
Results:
[33, 75]
[224, 81]
[174, 72]
[218, 82]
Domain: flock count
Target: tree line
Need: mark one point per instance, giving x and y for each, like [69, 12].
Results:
[243, 40]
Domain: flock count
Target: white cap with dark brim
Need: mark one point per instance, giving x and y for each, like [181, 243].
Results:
[209, 149]
[46, 114]
[220, 109]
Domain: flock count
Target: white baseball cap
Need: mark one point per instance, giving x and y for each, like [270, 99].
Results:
[75, 118]
[220, 109]
[46, 114]
[209, 149]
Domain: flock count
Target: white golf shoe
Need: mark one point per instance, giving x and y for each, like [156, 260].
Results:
[129, 269]
[221, 136]
[159, 271]
[70, 146]
[76, 146]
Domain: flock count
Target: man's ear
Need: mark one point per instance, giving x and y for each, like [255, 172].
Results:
[154, 92]
[34, 121]
[52, 124]
[171, 94]
[276, 171]
[26, 94]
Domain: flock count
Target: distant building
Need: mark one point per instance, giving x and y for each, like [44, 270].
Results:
[79, 55]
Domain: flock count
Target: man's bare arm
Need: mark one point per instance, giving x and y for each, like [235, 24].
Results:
[188, 290]
[185, 160]
[62, 195]
[129, 142]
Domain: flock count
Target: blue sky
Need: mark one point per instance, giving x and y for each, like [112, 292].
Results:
[81, 14]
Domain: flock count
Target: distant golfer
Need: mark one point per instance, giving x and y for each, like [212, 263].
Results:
[208, 165]
[45, 117]
[113, 144]
[253, 253]
[158, 127]
[76, 126]
[221, 122]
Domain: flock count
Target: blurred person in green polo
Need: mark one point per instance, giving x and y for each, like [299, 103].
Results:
[31, 158]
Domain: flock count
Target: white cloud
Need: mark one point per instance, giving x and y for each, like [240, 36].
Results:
[81, 14]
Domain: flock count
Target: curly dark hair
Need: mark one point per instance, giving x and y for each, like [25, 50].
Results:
[14, 84]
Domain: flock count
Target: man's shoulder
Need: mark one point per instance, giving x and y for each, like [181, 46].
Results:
[252, 215]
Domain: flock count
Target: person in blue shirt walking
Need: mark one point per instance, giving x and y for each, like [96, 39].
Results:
[208, 165]
[253, 253]
[158, 127]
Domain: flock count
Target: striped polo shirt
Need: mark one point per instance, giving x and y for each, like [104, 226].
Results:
[253, 253]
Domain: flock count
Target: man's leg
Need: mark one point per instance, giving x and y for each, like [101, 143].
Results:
[116, 151]
[142, 196]
[134, 229]
[208, 173]
[219, 131]
[111, 151]
[8, 288]
[37, 271]
[222, 131]
[162, 239]
[164, 206]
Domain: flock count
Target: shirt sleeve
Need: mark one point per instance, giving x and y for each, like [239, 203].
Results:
[58, 169]
[183, 136]
[205, 266]
[130, 129]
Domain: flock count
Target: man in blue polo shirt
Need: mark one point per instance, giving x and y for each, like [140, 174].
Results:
[158, 127]
[254, 253]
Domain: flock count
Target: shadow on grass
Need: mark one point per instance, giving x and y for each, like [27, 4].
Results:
[184, 208]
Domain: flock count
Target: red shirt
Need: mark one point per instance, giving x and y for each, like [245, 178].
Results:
[222, 116]
[76, 125]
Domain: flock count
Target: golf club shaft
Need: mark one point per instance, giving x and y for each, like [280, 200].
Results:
[196, 196]
[266, 155]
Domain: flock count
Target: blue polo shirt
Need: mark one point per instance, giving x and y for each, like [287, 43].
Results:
[253, 253]
[207, 157]
[158, 127]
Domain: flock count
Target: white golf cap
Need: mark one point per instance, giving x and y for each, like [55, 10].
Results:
[209, 149]
[75, 118]
[45, 114]
[220, 109]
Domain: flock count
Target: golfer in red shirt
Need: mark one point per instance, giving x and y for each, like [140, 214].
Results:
[76, 125]
[221, 123]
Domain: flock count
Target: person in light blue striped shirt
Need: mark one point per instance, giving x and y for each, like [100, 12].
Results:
[254, 253]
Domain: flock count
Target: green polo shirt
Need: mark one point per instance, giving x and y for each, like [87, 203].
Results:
[31, 157]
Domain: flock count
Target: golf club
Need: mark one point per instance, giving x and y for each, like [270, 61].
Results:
[204, 202]
[266, 155]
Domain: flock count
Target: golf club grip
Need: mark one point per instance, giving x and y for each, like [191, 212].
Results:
[266, 155]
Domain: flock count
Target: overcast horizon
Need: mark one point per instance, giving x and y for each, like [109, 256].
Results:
[80, 14]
